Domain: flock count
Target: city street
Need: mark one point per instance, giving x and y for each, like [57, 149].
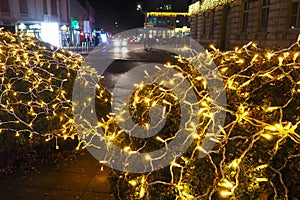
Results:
[123, 67]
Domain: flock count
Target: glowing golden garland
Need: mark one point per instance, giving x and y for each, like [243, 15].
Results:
[43, 72]
[167, 14]
[228, 169]
[198, 7]
[35, 82]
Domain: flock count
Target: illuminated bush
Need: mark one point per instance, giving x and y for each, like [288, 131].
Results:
[36, 84]
[257, 152]
[257, 155]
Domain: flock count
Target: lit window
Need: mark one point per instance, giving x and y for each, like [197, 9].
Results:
[168, 7]
[295, 15]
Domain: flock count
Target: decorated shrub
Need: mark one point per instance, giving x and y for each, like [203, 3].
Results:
[256, 155]
[36, 82]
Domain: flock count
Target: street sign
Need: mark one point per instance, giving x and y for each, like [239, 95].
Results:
[148, 24]
[86, 26]
[75, 24]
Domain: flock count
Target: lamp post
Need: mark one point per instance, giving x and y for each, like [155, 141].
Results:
[146, 39]
[139, 8]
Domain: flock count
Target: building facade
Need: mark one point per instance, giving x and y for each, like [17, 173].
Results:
[82, 19]
[237, 22]
[169, 14]
[49, 20]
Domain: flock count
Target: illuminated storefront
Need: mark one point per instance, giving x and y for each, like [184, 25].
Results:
[51, 32]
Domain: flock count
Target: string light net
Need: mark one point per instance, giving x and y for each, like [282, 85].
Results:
[36, 84]
[256, 153]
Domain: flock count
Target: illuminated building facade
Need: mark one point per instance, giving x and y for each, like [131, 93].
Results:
[169, 14]
[49, 20]
[231, 23]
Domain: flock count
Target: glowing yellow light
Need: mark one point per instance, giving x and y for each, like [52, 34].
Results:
[136, 99]
[267, 136]
[296, 56]
[196, 7]
[147, 157]
[160, 139]
[271, 128]
[225, 193]
[142, 192]
[224, 69]
[147, 100]
[270, 55]
[167, 14]
[280, 59]
[147, 126]
[262, 166]
[261, 179]
[225, 183]
[235, 163]
[133, 183]
[111, 137]
[270, 109]
[254, 58]
[153, 103]
[127, 149]
[240, 61]
[143, 180]
[203, 103]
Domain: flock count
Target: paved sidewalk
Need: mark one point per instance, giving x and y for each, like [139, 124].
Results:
[83, 179]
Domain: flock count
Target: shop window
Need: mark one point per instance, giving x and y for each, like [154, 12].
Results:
[264, 15]
[295, 14]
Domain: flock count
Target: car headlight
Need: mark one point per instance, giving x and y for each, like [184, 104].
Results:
[124, 43]
[117, 42]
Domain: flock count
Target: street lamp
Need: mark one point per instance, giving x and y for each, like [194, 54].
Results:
[140, 8]
[146, 39]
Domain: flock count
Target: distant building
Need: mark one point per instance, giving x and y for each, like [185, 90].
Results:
[49, 20]
[233, 23]
[174, 5]
[169, 14]
[82, 19]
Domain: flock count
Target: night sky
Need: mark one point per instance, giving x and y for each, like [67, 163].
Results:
[121, 11]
